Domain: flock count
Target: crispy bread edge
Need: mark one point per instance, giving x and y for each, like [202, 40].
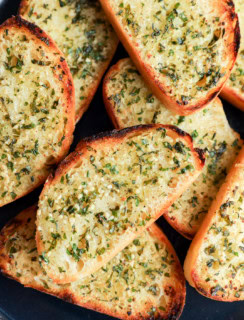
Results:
[230, 95]
[190, 271]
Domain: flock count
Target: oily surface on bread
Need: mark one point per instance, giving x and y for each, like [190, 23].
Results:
[184, 49]
[233, 90]
[129, 102]
[143, 281]
[84, 35]
[36, 108]
[107, 192]
[214, 263]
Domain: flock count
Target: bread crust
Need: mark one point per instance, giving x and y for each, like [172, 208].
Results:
[230, 95]
[232, 92]
[190, 271]
[75, 159]
[66, 293]
[68, 87]
[226, 7]
[84, 104]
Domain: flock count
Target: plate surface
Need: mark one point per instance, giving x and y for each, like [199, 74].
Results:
[19, 303]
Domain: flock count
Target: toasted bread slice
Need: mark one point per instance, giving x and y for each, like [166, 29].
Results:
[184, 49]
[37, 108]
[84, 35]
[107, 192]
[214, 262]
[144, 281]
[129, 102]
[233, 90]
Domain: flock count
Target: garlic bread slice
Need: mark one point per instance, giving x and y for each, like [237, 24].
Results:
[84, 35]
[214, 262]
[233, 90]
[130, 102]
[144, 281]
[185, 50]
[37, 108]
[107, 192]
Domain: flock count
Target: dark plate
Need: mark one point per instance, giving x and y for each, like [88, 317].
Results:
[19, 303]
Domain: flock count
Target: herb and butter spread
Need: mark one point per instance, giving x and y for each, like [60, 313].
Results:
[143, 280]
[33, 107]
[236, 80]
[132, 103]
[112, 190]
[84, 35]
[219, 267]
[183, 43]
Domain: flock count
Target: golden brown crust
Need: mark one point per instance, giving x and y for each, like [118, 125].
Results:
[67, 82]
[230, 95]
[158, 88]
[84, 104]
[190, 271]
[177, 295]
[114, 137]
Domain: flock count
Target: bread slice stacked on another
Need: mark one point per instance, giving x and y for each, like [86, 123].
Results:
[37, 108]
[214, 262]
[185, 50]
[144, 281]
[129, 102]
[107, 192]
[84, 35]
[233, 90]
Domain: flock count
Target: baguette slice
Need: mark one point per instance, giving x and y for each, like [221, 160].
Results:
[233, 90]
[185, 50]
[107, 192]
[37, 108]
[129, 102]
[144, 281]
[83, 33]
[214, 262]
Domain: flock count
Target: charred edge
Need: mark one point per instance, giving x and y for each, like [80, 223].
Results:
[176, 309]
[230, 4]
[197, 287]
[67, 297]
[201, 154]
[211, 97]
[62, 165]
[188, 236]
[237, 37]
[123, 132]
[117, 133]
[202, 291]
[178, 131]
[34, 29]
[231, 9]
